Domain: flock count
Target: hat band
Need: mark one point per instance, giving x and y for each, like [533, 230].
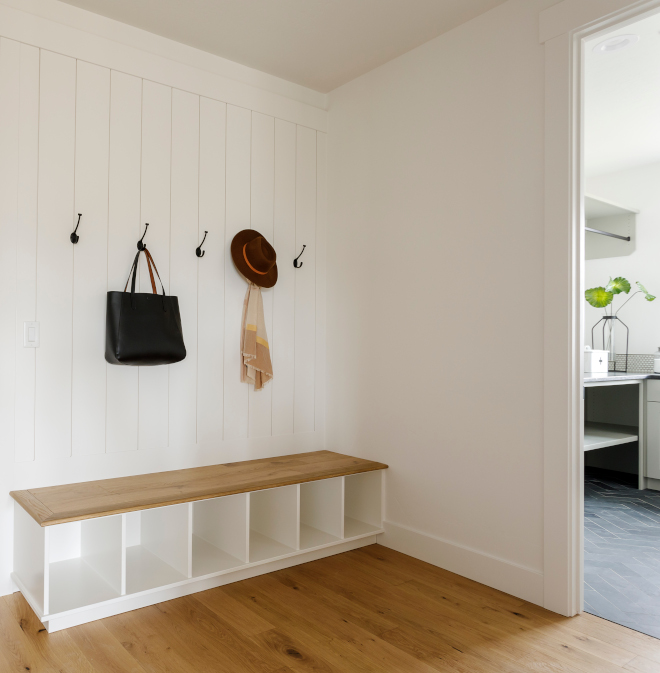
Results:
[247, 261]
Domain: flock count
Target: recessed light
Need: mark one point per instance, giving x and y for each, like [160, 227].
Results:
[616, 43]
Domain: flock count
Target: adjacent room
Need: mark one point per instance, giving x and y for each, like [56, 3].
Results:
[622, 326]
[296, 359]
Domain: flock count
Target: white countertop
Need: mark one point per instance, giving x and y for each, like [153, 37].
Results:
[591, 377]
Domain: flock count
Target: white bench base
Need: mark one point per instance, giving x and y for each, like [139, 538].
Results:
[76, 572]
[116, 606]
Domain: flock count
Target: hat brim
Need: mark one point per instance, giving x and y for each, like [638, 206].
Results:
[241, 238]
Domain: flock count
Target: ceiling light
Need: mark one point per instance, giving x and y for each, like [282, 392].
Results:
[616, 43]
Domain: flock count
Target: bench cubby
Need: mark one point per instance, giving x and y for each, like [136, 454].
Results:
[103, 548]
[273, 523]
[220, 534]
[362, 504]
[84, 563]
[157, 547]
[321, 512]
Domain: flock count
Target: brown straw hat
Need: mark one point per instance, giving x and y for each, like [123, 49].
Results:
[255, 257]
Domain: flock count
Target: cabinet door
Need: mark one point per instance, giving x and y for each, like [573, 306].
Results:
[653, 440]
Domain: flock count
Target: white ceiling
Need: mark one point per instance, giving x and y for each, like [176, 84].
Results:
[320, 44]
[622, 101]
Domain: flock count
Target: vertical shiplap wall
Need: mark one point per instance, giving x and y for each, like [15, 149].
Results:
[81, 138]
[155, 205]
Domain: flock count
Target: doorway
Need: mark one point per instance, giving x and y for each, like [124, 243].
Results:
[621, 323]
[563, 30]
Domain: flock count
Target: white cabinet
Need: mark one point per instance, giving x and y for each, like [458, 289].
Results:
[614, 417]
[653, 390]
[653, 439]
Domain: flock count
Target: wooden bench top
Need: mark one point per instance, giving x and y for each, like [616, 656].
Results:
[74, 502]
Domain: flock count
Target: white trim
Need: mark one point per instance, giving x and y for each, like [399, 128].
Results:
[571, 15]
[498, 573]
[135, 601]
[563, 29]
[562, 352]
[54, 26]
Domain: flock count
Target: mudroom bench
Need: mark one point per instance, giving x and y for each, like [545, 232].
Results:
[90, 550]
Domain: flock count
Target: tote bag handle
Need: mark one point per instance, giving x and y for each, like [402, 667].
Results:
[133, 273]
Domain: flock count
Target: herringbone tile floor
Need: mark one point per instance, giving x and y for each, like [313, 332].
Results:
[622, 551]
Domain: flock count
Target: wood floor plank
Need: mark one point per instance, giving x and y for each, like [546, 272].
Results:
[292, 653]
[19, 648]
[588, 652]
[205, 640]
[432, 647]
[421, 611]
[369, 620]
[231, 611]
[341, 643]
[386, 630]
[520, 618]
[371, 610]
[312, 635]
[58, 649]
[381, 560]
[189, 646]
[643, 665]
[142, 638]
[433, 630]
[627, 639]
[374, 649]
[235, 649]
[103, 650]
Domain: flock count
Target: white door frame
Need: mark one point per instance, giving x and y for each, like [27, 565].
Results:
[563, 28]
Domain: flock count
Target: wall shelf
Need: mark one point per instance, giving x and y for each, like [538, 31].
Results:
[600, 435]
[110, 564]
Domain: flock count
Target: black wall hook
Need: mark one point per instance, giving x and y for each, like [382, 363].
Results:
[140, 244]
[199, 252]
[295, 261]
[74, 238]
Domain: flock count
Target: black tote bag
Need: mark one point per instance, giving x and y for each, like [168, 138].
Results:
[142, 328]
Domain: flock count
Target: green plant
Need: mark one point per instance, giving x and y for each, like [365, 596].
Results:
[601, 297]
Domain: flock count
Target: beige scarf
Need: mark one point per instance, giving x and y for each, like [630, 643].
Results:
[256, 366]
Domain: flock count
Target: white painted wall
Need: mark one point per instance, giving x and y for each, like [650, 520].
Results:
[125, 136]
[435, 293]
[636, 188]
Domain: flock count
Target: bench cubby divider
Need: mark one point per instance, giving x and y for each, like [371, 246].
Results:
[274, 522]
[162, 549]
[84, 562]
[220, 534]
[363, 503]
[75, 567]
[321, 512]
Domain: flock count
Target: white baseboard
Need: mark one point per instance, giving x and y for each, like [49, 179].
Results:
[653, 484]
[494, 572]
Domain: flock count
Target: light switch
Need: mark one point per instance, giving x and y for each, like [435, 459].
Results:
[31, 335]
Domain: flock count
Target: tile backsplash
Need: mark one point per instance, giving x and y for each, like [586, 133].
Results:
[636, 363]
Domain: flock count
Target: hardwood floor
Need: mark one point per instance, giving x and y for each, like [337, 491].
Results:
[372, 609]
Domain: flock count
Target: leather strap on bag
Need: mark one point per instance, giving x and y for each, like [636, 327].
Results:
[150, 261]
[151, 277]
[133, 273]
